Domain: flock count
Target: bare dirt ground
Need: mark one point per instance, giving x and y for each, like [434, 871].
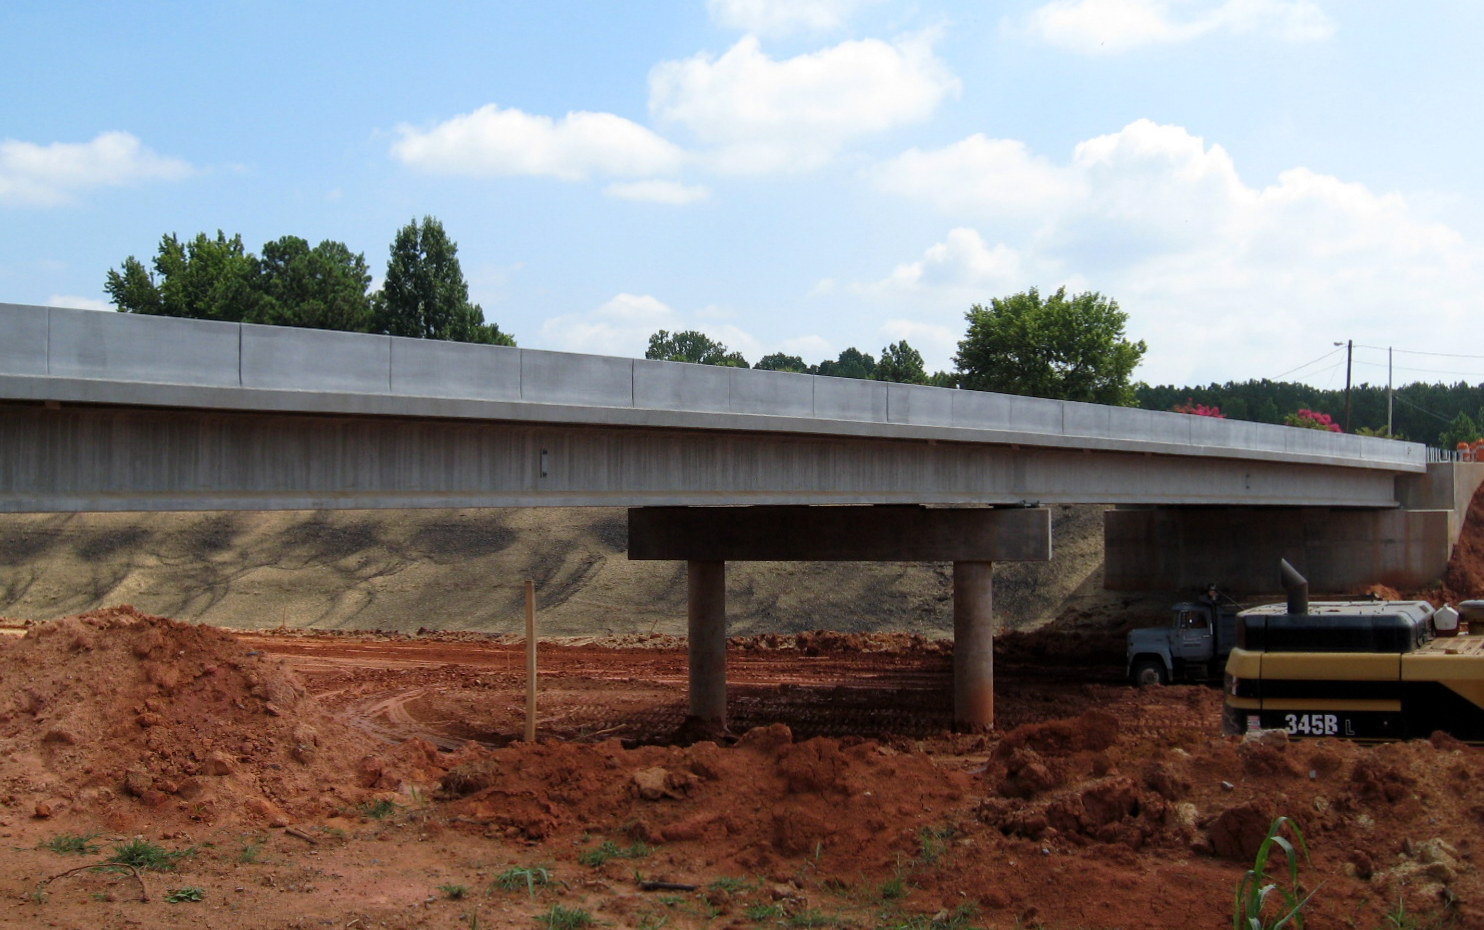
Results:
[303, 778]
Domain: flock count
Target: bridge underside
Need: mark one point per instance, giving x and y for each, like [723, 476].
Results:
[66, 458]
[972, 539]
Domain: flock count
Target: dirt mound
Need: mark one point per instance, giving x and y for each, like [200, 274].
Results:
[119, 712]
[1464, 577]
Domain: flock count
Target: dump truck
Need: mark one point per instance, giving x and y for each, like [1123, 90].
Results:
[1367, 670]
[1191, 647]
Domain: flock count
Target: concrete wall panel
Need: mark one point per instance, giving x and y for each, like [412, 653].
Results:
[980, 410]
[777, 393]
[289, 359]
[919, 405]
[679, 386]
[565, 378]
[850, 399]
[433, 368]
[129, 347]
[23, 335]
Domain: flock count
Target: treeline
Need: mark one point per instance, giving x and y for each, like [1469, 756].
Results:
[1436, 414]
[899, 361]
[326, 286]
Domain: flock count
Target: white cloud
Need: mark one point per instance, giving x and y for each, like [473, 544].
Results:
[666, 192]
[998, 177]
[961, 262]
[621, 327]
[43, 175]
[78, 303]
[1209, 268]
[492, 142]
[1098, 26]
[784, 17]
[764, 115]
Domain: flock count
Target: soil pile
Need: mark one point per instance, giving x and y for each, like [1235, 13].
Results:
[1464, 578]
[117, 712]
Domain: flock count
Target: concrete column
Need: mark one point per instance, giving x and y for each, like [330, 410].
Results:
[706, 608]
[973, 645]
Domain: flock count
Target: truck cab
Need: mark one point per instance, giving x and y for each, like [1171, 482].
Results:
[1192, 646]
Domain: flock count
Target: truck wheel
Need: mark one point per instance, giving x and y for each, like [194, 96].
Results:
[1149, 672]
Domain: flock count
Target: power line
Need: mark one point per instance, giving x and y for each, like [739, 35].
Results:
[1418, 352]
[1307, 364]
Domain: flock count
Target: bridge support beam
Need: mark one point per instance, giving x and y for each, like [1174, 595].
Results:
[706, 538]
[1340, 551]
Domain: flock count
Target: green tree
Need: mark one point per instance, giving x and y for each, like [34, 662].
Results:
[780, 362]
[901, 363]
[851, 363]
[425, 295]
[1462, 429]
[692, 346]
[205, 279]
[322, 288]
[1069, 348]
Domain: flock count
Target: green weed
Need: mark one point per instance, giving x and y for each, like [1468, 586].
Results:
[454, 892]
[251, 852]
[1257, 889]
[564, 918]
[140, 853]
[379, 810]
[182, 895]
[69, 844]
[933, 843]
[528, 877]
[731, 885]
[762, 912]
[608, 850]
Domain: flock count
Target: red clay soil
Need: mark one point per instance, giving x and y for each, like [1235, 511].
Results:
[1464, 577]
[375, 781]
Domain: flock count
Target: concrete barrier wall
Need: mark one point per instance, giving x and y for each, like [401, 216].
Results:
[322, 372]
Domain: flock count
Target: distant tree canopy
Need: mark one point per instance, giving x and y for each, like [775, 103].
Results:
[1437, 414]
[324, 287]
[1068, 348]
[780, 362]
[425, 294]
[901, 363]
[692, 346]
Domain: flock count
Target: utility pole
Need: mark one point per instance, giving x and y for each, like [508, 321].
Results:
[1349, 356]
[1389, 394]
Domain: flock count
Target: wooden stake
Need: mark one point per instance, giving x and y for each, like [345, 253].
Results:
[530, 661]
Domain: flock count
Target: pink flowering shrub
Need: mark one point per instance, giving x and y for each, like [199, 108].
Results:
[1199, 410]
[1304, 418]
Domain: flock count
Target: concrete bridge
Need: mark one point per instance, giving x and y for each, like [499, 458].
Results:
[114, 412]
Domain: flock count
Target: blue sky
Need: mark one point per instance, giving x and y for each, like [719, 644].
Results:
[1252, 180]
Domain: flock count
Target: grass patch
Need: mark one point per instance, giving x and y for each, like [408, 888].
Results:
[565, 918]
[183, 895]
[454, 892]
[379, 810]
[762, 912]
[71, 844]
[731, 885]
[251, 852]
[529, 877]
[141, 854]
[609, 850]
[932, 843]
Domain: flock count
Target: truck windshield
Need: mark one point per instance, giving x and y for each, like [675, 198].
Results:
[1192, 620]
